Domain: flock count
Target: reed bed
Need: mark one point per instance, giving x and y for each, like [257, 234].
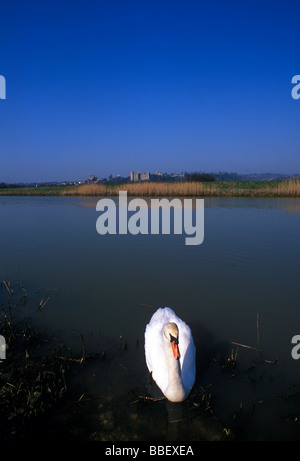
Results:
[290, 188]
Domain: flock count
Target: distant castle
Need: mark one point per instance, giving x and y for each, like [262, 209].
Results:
[136, 176]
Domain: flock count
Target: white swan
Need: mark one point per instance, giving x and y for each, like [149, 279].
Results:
[170, 354]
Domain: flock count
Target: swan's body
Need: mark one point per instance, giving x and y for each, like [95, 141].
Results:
[173, 370]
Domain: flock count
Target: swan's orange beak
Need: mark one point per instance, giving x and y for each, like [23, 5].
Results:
[175, 349]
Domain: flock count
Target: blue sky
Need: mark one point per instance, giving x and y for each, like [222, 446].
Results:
[105, 87]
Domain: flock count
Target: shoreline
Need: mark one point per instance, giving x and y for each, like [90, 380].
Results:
[286, 188]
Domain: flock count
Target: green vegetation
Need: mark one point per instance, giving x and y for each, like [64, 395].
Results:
[289, 188]
[34, 375]
[30, 190]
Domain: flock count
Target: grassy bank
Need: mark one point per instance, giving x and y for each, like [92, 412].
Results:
[290, 188]
[33, 191]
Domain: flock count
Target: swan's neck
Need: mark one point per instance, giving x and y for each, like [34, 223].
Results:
[175, 391]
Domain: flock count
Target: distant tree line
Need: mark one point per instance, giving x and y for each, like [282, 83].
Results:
[199, 177]
[228, 176]
[3, 185]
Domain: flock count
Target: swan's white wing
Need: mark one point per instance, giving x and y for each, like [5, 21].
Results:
[154, 349]
[187, 356]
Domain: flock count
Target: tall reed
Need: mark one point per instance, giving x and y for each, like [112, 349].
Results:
[290, 188]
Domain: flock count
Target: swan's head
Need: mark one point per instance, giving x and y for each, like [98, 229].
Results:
[171, 333]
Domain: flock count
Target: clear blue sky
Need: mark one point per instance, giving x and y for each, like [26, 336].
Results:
[105, 87]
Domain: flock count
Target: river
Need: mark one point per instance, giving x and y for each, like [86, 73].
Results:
[239, 285]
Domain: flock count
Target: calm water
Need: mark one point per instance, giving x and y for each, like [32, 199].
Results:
[102, 287]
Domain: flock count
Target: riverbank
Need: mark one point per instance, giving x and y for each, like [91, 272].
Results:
[195, 189]
[33, 191]
[290, 188]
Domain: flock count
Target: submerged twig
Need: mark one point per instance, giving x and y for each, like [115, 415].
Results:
[7, 286]
[244, 345]
[144, 397]
[70, 359]
[147, 305]
[83, 347]
[43, 303]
